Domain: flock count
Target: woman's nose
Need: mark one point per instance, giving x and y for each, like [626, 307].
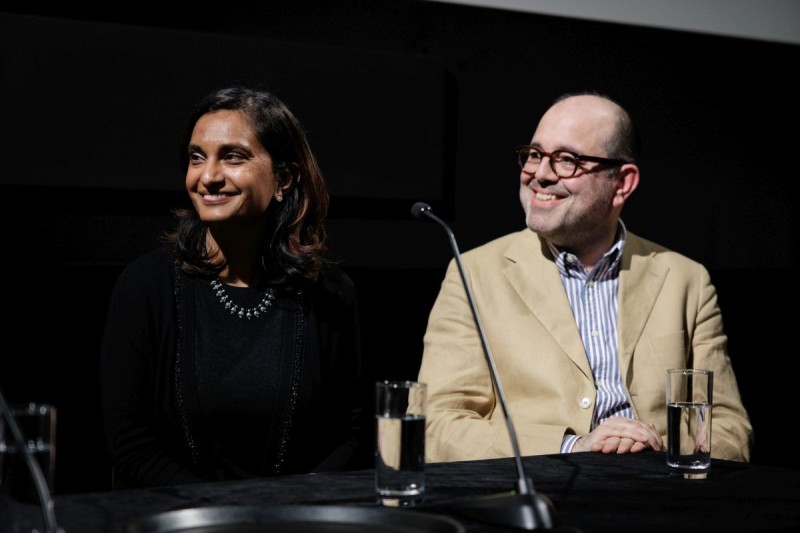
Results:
[212, 172]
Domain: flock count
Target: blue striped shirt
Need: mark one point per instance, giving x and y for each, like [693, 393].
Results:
[593, 296]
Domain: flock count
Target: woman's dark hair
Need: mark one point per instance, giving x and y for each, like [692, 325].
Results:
[295, 244]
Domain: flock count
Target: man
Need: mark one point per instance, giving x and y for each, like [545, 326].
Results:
[582, 316]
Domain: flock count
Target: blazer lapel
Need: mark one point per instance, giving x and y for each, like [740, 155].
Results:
[534, 276]
[641, 279]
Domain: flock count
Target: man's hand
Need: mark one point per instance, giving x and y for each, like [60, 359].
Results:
[620, 435]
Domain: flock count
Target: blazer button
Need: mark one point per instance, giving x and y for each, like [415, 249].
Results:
[586, 402]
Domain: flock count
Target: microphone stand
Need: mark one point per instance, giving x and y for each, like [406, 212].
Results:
[522, 508]
[45, 500]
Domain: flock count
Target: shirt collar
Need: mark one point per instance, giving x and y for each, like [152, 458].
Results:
[569, 265]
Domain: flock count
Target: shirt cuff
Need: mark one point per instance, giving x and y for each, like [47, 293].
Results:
[568, 442]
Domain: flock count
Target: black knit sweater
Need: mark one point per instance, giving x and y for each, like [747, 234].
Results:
[192, 393]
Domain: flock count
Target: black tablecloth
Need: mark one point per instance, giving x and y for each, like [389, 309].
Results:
[591, 493]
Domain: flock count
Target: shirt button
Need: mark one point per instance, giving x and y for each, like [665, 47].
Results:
[595, 333]
[586, 402]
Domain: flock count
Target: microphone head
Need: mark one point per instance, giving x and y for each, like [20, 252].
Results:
[420, 209]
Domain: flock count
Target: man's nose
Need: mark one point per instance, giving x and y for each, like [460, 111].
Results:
[545, 170]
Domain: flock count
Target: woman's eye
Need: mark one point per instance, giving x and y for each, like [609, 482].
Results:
[234, 157]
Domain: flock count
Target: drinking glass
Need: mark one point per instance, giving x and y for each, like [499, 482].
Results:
[37, 422]
[689, 406]
[400, 442]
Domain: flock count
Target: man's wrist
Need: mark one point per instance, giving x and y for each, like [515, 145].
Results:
[568, 443]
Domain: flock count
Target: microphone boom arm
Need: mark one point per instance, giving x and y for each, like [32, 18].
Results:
[45, 500]
[522, 509]
[525, 485]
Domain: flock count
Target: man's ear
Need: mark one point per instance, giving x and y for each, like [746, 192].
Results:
[627, 181]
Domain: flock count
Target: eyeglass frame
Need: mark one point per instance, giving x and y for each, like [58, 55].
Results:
[609, 162]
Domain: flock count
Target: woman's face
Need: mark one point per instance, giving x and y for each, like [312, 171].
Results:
[229, 176]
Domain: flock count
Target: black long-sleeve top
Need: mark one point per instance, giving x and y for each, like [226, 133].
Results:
[193, 393]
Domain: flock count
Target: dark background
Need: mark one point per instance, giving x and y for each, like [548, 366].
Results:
[403, 101]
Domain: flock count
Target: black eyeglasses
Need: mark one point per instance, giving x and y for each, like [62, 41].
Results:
[563, 162]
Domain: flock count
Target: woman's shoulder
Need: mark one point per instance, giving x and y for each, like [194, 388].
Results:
[333, 282]
[154, 265]
[332, 275]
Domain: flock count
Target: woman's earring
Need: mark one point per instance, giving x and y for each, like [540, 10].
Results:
[279, 196]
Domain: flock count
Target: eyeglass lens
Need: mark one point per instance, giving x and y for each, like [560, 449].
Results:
[562, 163]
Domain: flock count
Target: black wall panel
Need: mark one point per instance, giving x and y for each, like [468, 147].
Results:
[404, 101]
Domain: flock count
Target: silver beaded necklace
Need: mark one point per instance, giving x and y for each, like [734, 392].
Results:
[237, 310]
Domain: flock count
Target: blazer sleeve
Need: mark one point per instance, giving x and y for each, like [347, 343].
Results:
[732, 433]
[464, 420]
[684, 329]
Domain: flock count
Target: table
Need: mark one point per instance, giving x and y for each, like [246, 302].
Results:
[591, 492]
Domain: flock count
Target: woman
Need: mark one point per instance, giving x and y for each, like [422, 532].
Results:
[233, 351]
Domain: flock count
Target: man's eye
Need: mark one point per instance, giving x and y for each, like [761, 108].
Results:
[535, 155]
[566, 159]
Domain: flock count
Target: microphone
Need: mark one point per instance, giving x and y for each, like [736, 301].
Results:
[45, 500]
[523, 509]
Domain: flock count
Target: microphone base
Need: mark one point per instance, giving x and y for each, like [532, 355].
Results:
[521, 511]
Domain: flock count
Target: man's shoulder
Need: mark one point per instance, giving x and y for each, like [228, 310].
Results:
[636, 246]
[498, 247]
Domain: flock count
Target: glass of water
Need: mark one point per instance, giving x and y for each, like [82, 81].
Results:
[400, 442]
[37, 422]
[689, 405]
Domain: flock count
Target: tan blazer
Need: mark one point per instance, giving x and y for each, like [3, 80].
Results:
[668, 318]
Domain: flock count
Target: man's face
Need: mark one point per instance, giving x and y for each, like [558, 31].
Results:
[575, 212]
